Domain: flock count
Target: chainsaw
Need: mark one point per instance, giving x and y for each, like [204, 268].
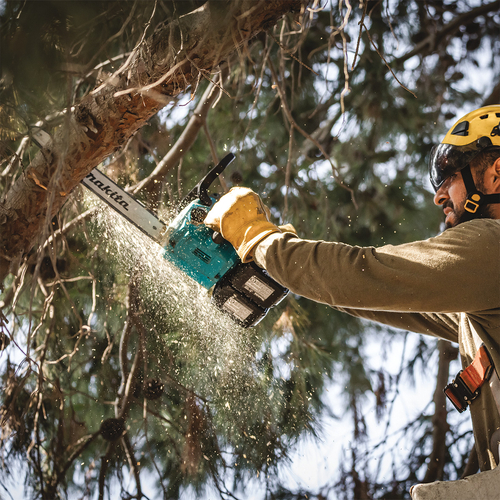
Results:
[243, 291]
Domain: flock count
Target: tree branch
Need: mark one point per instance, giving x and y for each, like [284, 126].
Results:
[129, 452]
[104, 468]
[433, 40]
[82, 444]
[104, 120]
[182, 145]
[294, 124]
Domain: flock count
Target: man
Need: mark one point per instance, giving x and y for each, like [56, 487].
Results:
[447, 286]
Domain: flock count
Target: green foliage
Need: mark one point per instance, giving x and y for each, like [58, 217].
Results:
[96, 314]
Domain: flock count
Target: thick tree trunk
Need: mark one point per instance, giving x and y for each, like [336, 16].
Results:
[435, 467]
[172, 59]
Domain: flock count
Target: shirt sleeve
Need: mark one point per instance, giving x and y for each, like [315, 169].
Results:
[457, 271]
[445, 326]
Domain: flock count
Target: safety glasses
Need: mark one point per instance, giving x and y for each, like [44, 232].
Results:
[447, 159]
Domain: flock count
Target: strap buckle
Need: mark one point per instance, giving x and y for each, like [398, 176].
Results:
[459, 394]
[471, 207]
[471, 204]
[467, 384]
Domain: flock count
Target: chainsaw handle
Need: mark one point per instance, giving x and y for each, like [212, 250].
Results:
[201, 189]
[210, 177]
[217, 238]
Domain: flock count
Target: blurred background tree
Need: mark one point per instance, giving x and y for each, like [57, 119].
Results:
[118, 376]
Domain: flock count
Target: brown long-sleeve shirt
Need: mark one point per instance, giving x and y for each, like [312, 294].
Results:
[447, 286]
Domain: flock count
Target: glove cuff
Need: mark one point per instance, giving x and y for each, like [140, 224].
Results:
[252, 237]
[288, 229]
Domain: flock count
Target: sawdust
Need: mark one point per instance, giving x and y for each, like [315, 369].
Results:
[218, 357]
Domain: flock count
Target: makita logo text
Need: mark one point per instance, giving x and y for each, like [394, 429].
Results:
[108, 190]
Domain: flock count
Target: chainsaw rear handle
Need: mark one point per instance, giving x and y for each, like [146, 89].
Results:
[217, 238]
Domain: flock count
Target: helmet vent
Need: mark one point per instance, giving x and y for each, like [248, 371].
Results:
[484, 142]
[483, 117]
[498, 115]
[461, 129]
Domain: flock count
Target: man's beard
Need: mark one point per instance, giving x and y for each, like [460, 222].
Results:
[483, 212]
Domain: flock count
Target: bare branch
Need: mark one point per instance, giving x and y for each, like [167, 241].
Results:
[16, 158]
[430, 43]
[80, 446]
[183, 144]
[293, 123]
[386, 63]
[290, 53]
[437, 459]
[70, 225]
[104, 468]
[127, 63]
[288, 173]
[361, 24]
[129, 452]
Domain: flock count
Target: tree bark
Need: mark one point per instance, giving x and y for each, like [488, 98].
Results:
[166, 64]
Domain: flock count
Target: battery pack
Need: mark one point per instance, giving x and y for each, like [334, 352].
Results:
[236, 305]
[246, 293]
[256, 284]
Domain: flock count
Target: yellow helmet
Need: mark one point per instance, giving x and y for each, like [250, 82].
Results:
[475, 132]
[483, 122]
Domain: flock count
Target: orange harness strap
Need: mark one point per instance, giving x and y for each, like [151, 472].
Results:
[466, 386]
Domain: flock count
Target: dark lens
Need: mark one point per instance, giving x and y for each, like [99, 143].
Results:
[442, 164]
[447, 160]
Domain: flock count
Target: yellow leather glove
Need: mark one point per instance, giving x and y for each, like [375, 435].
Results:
[241, 218]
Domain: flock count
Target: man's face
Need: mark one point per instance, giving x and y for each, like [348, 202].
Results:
[452, 195]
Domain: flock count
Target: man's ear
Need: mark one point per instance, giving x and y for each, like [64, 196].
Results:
[495, 176]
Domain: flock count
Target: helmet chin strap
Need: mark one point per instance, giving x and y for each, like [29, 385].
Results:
[475, 198]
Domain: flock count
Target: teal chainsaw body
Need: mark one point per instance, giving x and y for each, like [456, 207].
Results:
[189, 245]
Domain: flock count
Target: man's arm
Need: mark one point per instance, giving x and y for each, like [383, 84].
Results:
[444, 326]
[457, 271]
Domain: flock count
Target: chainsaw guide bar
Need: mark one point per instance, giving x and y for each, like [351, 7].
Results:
[125, 204]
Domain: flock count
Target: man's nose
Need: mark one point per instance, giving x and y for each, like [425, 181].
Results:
[441, 196]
